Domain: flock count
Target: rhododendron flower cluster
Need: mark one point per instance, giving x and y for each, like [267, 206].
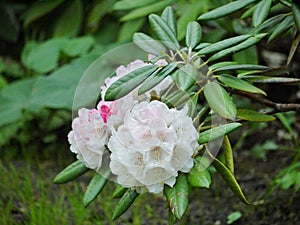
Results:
[148, 143]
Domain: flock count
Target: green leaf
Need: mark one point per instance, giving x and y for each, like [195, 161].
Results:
[69, 22]
[156, 78]
[163, 32]
[239, 84]
[177, 196]
[249, 12]
[146, 10]
[131, 4]
[171, 217]
[286, 24]
[94, 188]
[244, 45]
[229, 178]
[261, 12]
[222, 64]
[202, 45]
[251, 115]
[199, 176]
[276, 80]
[226, 9]
[119, 192]
[43, 57]
[14, 99]
[78, 46]
[193, 34]
[228, 154]
[96, 14]
[242, 67]
[219, 100]
[124, 203]
[148, 44]
[71, 172]
[232, 217]
[129, 28]
[185, 77]
[130, 81]
[226, 43]
[296, 15]
[169, 17]
[189, 13]
[217, 132]
[268, 24]
[39, 9]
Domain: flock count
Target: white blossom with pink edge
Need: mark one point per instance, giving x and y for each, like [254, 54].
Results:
[152, 145]
[88, 137]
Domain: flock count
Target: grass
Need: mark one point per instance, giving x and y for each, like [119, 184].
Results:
[28, 196]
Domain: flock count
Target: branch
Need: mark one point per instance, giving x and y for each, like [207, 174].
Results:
[277, 107]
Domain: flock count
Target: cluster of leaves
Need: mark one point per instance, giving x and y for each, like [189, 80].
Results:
[210, 90]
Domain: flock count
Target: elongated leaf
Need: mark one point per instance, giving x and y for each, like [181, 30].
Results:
[249, 12]
[226, 43]
[163, 32]
[296, 15]
[69, 22]
[261, 12]
[278, 80]
[155, 79]
[242, 67]
[217, 132]
[199, 176]
[169, 17]
[202, 45]
[203, 113]
[39, 9]
[177, 196]
[251, 115]
[185, 77]
[282, 27]
[148, 44]
[293, 50]
[228, 154]
[193, 34]
[94, 188]
[124, 203]
[219, 100]
[130, 81]
[229, 178]
[119, 192]
[96, 14]
[146, 10]
[71, 172]
[268, 25]
[239, 84]
[245, 44]
[226, 9]
[131, 4]
[216, 66]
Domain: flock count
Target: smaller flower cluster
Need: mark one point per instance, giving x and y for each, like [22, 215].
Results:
[148, 143]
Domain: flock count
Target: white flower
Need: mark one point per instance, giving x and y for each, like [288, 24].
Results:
[151, 146]
[89, 137]
[116, 110]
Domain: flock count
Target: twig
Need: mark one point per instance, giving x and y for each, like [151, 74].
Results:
[277, 107]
